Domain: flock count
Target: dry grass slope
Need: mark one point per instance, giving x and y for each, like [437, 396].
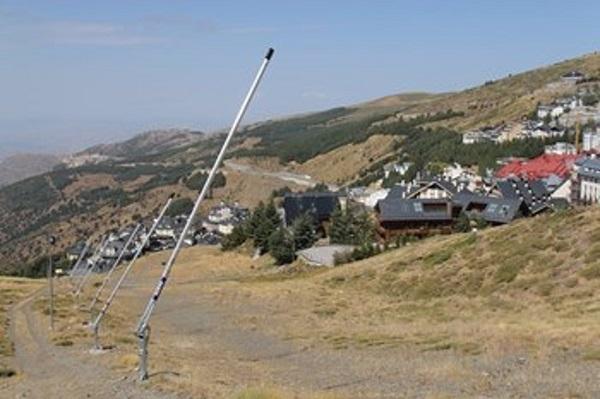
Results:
[528, 290]
[11, 291]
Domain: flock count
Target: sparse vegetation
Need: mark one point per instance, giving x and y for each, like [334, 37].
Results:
[180, 206]
[11, 291]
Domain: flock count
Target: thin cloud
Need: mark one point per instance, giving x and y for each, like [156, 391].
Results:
[95, 34]
[159, 22]
[315, 95]
[28, 30]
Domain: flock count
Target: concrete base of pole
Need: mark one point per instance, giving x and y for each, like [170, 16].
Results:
[100, 351]
[144, 339]
[97, 345]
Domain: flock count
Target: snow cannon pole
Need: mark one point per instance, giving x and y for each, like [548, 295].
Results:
[142, 331]
[96, 324]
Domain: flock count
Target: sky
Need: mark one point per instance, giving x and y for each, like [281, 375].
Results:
[76, 73]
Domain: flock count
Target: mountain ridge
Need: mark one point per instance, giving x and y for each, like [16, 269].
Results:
[76, 201]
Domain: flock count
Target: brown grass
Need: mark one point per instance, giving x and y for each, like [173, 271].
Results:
[344, 163]
[12, 290]
[510, 289]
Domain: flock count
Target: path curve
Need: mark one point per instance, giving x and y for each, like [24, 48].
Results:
[47, 371]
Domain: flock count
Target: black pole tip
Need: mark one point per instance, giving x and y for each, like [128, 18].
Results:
[270, 53]
[172, 196]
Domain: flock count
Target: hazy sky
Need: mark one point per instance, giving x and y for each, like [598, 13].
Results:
[73, 73]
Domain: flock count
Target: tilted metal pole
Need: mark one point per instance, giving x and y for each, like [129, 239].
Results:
[77, 265]
[145, 317]
[92, 267]
[113, 267]
[111, 297]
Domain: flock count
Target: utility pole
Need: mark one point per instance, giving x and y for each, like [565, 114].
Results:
[143, 328]
[50, 273]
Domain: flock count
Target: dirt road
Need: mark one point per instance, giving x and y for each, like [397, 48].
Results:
[47, 371]
[301, 180]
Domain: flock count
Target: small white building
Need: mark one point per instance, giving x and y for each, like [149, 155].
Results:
[572, 77]
[591, 141]
[560, 148]
[585, 186]
[399, 168]
[553, 110]
[471, 137]
[366, 196]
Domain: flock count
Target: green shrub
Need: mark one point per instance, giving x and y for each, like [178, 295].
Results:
[180, 206]
[506, 273]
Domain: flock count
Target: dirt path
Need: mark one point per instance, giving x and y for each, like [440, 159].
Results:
[47, 371]
[301, 180]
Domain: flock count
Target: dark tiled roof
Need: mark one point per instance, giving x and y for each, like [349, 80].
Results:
[392, 209]
[398, 192]
[533, 193]
[319, 205]
[589, 167]
[496, 210]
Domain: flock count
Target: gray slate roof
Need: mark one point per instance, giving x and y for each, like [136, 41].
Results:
[393, 209]
[589, 167]
[533, 193]
[398, 191]
[318, 205]
[497, 210]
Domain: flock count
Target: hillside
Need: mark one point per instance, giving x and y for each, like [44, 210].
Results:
[506, 312]
[108, 185]
[146, 144]
[21, 166]
[300, 139]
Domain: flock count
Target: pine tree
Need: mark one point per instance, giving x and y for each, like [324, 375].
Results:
[304, 232]
[463, 223]
[281, 246]
[264, 221]
[363, 230]
[237, 237]
[272, 215]
[338, 230]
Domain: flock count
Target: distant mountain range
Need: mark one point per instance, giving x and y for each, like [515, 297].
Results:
[147, 143]
[21, 166]
[17, 167]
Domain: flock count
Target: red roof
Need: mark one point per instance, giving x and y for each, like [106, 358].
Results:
[540, 167]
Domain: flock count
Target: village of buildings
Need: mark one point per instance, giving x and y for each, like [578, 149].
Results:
[566, 174]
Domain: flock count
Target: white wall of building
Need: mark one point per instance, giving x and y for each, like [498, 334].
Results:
[590, 191]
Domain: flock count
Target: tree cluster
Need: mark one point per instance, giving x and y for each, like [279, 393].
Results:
[350, 229]
[267, 233]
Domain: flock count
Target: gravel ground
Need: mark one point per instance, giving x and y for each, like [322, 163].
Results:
[47, 371]
[376, 372]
